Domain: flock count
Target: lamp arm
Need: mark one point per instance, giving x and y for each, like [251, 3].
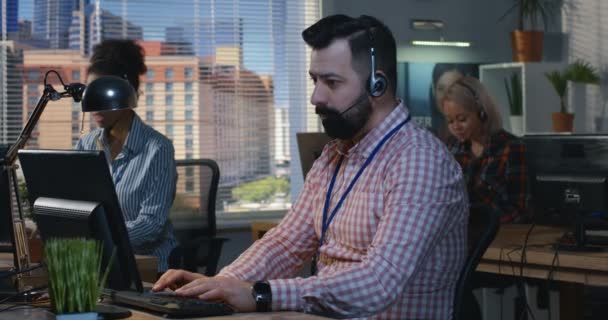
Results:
[49, 93]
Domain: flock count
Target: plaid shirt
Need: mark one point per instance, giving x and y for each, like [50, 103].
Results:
[394, 249]
[498, 179]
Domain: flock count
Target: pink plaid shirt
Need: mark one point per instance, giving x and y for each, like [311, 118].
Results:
[395, 248]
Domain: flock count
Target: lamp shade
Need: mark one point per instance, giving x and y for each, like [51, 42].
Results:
[108, 93]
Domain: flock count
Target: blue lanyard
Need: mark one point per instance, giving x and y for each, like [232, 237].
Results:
[326, 221]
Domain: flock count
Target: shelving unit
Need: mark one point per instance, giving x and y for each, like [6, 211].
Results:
[539, 98]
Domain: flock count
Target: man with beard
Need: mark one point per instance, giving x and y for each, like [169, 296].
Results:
[383, 211]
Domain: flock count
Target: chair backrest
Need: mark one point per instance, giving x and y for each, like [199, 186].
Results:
[489, 229]
[195, 198]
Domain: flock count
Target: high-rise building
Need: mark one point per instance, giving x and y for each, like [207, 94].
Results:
[91, 25]
[59, 125]
[236, 122]
[52, 19]
[210, 34]
[8, 18]
[10, 92]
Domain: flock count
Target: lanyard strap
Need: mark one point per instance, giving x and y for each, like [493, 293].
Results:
[327, 220]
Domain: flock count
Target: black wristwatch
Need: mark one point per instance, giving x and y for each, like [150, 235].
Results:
[262, 295]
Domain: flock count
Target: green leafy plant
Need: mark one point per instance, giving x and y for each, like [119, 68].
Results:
[514, 94]
[531, 10]
[579, 71]
[73, 270]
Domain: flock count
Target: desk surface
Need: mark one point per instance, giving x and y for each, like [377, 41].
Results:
[25, 313]
[504, 256]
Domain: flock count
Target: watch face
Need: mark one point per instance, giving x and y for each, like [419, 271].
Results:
[261, 287]
[262, 295]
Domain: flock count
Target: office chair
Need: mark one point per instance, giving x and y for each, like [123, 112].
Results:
[466, 306]
[193, 217]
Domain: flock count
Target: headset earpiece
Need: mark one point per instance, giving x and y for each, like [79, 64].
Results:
[377, 81]
[483, 116]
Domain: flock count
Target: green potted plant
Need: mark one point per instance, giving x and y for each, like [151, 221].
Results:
[515, 98]
[74, 277]
[527, 44]
[576, 72]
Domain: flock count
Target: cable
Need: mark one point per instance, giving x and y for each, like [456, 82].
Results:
[8, 274]
[520, 282]
[550, 276]
[58, 76]
[22, 293]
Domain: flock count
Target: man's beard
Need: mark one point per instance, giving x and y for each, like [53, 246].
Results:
[346, 124]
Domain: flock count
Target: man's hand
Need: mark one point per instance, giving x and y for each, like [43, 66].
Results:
[174, 279]
[234, 292]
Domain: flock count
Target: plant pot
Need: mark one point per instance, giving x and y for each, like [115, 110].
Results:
[77, 316]
[562, 122]
[527, 45]
[517, 125]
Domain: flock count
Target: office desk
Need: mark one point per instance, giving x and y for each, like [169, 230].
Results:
[572, 270]
[147, 265]
[504, 256]
[39, 314]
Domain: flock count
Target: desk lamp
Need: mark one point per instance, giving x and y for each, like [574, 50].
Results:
[108, 93]
[8, 176]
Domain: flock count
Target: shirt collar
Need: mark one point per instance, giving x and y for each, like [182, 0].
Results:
[366, 145]
[134, 142]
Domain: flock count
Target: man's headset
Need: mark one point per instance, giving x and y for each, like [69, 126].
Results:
[483, 116]
[377, 82]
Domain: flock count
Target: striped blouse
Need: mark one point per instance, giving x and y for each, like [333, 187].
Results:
[145, 177]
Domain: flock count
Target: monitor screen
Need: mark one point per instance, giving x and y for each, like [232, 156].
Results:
[568, 177]
[80, 179]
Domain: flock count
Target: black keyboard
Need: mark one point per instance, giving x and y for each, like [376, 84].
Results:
[169, 304]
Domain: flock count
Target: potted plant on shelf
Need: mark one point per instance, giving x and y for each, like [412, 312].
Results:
[576, 72]
[527, 45]
[515, 98]
[74, 282]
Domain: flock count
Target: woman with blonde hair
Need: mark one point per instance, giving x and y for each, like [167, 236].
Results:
[492, 159]
[493, 162]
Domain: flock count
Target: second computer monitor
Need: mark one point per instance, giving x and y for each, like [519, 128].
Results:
[568, 177]
[81, 180]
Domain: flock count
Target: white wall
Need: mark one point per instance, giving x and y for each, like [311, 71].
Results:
[476, 21]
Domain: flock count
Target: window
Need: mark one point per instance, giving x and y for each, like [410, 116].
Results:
[226, 68]
[189, 172]
[188, 115]
[169, 74]
[188, 72]
[189, 186]
[32, 75]
[149, 100]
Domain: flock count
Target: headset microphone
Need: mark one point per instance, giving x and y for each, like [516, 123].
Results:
[361, 98]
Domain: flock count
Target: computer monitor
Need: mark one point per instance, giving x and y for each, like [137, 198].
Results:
[310, 147]
[74, 196]
[568, 178]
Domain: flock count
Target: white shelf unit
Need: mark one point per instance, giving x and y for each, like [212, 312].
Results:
[539, 98]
